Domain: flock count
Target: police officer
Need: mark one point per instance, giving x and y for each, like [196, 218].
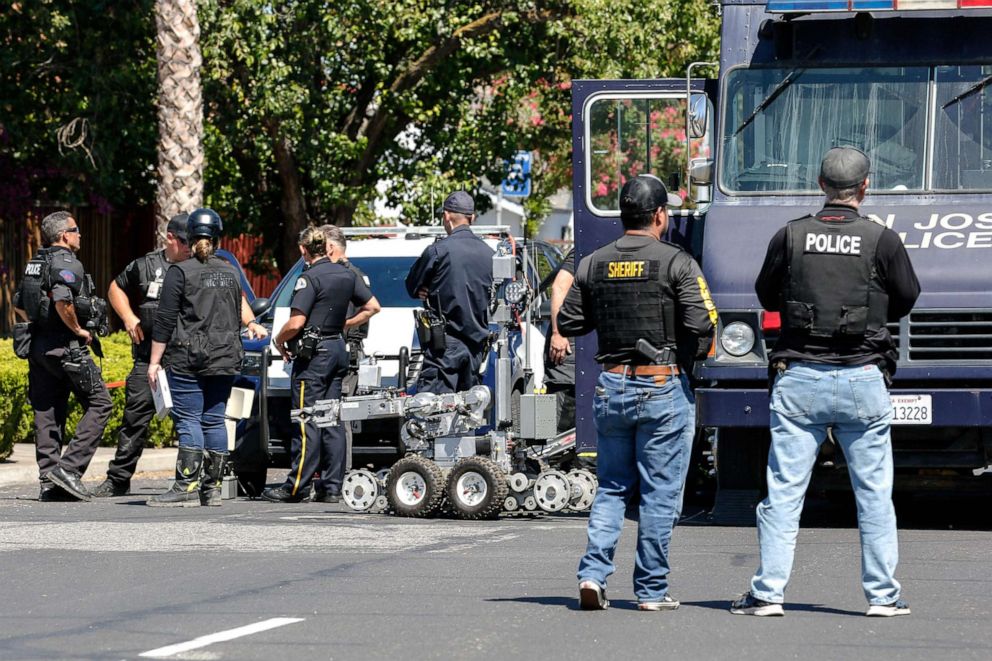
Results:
[197, 337]
[639, 288]
[354, 337]
[454, 277]
[134, 295]
[316, 328]
[559, 353]
[836, 278]
[57, 297]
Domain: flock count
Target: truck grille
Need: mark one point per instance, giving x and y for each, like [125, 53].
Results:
[946, 335]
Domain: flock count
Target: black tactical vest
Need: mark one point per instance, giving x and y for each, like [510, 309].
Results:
[832, 288]
[151, 274]
[356, 334]
[35, 288]
[633, 298]
[207, 339]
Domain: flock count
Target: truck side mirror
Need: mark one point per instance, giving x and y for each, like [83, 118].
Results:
[701, 171]
[260, 306]
[698, 111]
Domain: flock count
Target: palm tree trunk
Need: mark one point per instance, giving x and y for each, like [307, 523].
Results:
[180, 111]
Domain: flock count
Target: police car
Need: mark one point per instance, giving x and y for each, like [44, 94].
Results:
[385, 255]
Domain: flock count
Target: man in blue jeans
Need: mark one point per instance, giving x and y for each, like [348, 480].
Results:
[639, 288]
[836, 278]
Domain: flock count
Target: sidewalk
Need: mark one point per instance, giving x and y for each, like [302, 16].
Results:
[20, 467]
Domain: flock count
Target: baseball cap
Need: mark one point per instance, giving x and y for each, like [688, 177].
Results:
[459, 202]
[844, 167]
[177, 226]
[645, 192]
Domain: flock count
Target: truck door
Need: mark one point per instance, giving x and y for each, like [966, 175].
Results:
[621, 129]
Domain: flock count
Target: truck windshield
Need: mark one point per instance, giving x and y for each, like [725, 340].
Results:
[963, 131]
[880, 110]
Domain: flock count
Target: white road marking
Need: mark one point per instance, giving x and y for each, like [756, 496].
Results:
[220, 637]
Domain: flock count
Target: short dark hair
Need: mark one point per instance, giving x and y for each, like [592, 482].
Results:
[54, 224]
[637, 221]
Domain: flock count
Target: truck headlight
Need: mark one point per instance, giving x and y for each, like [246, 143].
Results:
[737, 338]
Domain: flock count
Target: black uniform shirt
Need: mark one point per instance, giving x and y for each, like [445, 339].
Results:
[458, 274]
[695, 315]
[356, 333]
[895, 272]
[323, 293]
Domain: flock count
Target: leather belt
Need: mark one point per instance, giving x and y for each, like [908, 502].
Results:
[643, 370]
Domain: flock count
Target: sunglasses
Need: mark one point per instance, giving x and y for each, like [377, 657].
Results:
[71, 230]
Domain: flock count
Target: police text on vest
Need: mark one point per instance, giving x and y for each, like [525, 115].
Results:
[836, 244]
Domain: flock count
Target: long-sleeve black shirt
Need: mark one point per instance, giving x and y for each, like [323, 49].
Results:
[895, 271]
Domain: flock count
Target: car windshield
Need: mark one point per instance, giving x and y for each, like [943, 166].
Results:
[779, 122]
[387, 276]
[387, 279]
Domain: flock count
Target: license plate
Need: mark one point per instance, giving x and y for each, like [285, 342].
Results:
[912, 409]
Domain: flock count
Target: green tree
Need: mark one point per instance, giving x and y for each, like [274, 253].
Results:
[77, 114]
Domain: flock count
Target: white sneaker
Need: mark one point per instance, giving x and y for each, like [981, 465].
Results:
[898, 607]
[666, 603]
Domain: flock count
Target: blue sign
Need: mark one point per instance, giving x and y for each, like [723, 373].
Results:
[517, 182]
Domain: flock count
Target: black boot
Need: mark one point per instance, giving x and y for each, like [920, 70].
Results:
[110, 489]
[214, 464]
[185, 491]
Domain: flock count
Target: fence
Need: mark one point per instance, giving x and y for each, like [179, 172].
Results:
[108, 241]
[250, 251]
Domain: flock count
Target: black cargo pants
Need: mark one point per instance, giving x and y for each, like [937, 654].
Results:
[139, 410]
[314, 448]
[455, 369]
[49, 388]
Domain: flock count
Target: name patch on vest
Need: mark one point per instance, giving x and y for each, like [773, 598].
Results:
[628, 270]
[34, 268]
[833, 244]
[217, 281]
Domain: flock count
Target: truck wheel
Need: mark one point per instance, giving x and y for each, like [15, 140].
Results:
[415, 487]
[251, 483]
[476, 488]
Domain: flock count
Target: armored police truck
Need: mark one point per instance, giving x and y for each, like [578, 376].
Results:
[907, 81]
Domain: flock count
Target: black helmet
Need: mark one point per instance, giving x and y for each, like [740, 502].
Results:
[203, 224]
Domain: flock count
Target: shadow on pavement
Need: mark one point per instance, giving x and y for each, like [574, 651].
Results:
[724, 605]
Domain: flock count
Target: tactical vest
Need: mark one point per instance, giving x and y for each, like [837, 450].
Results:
[207, 339]
[35, 288]
[832, 287]
[633, 298]
[151, 274]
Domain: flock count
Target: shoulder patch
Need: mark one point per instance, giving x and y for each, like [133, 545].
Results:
[68, 276]
[301, 283]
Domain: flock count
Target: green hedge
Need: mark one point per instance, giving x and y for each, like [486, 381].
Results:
[18, 418]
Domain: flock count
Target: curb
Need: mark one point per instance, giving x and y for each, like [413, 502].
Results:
[20, 467]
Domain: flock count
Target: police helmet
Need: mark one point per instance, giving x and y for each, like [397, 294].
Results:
[203, 224]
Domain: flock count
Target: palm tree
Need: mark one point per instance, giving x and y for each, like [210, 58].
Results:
[180, 111]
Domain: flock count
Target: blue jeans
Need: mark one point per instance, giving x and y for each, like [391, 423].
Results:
[644, 434]
[853, 401]
[198, 406]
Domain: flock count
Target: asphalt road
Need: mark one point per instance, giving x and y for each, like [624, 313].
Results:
[115, 580]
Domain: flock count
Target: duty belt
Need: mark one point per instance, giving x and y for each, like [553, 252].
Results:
[661, 373]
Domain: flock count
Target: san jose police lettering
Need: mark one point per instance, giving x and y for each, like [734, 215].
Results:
[833, 244]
